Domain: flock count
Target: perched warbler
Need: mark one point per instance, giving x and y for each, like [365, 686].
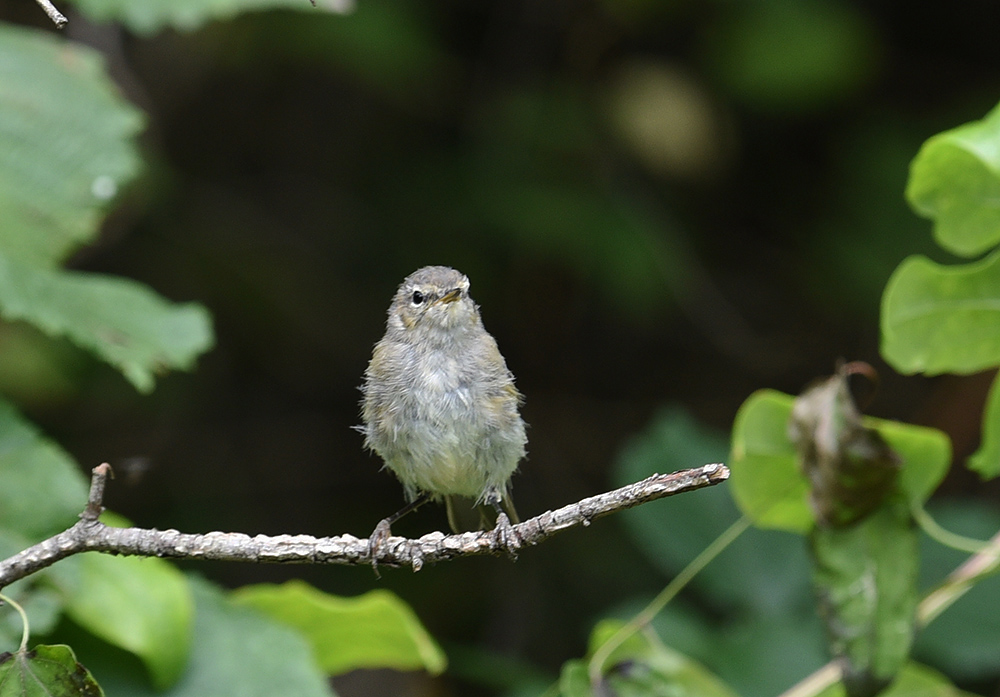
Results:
[440, 406]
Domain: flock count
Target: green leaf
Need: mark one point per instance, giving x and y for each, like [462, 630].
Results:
[46, 671]
[914, 680]
[374, 630]
[766, 481]
[768, 485]
[939, 319]
[239, 653]
[866, 578]
[955, 181]
[235, 652]
[59, 166]
[142, 605]
[122, 321]
[641, 667]
[925, 452]
[42, 489]
[986, 460]
[148, 16]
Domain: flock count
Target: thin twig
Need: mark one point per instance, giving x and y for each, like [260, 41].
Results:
[90, 535]
[57, 17]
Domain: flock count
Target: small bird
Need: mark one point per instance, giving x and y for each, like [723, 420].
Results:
[440, 406]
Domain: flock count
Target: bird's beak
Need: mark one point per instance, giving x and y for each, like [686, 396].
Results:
[451, 296]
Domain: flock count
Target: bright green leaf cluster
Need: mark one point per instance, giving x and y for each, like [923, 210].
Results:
[766, 480]
[955, 181]
[945, 318]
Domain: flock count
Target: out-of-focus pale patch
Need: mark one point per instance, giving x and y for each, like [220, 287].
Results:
[338, 6]
[103, 187]
[668, 120]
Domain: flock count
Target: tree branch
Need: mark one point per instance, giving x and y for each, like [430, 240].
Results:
[55, 15]
[90, 535]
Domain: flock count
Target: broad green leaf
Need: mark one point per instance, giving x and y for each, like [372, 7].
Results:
[42, 489]
[942, 319]
[986, 460]
[46, 671]
[148, 16]
[955, 181]
[122, 321]
[914, 680]
[925, 452]
[766, 481]
[59, 166]
[641, 667]
[374, 630]
[866, 578]
[237, 652]
[140, 604]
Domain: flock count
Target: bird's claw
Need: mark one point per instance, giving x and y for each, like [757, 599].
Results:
[377, 540]
[506, 536]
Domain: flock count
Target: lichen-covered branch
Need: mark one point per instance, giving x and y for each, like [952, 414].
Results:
[90, 535]
[57, 17]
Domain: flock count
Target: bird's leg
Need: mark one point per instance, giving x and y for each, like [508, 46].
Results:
[383, 529]
[505, 534]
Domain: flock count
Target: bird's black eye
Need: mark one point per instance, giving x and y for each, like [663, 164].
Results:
[417, 298]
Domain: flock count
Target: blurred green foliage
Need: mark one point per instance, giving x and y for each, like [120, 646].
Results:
[655, 201]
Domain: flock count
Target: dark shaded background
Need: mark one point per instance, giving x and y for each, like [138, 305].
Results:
[656, 202]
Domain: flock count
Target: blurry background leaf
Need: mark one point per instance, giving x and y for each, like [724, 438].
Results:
[123, 322]
[148, 16]
[874, 629]
[641, 667]
[774, 597]
[766, 480]
[976, 616]
[832, 42]
[140, 604]
[914, 680]
[42, 605]
[235, 652]
[986, 459]
[375, 630]
[43, 492]
[942, 319]
[54, 184]
[955, 181]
